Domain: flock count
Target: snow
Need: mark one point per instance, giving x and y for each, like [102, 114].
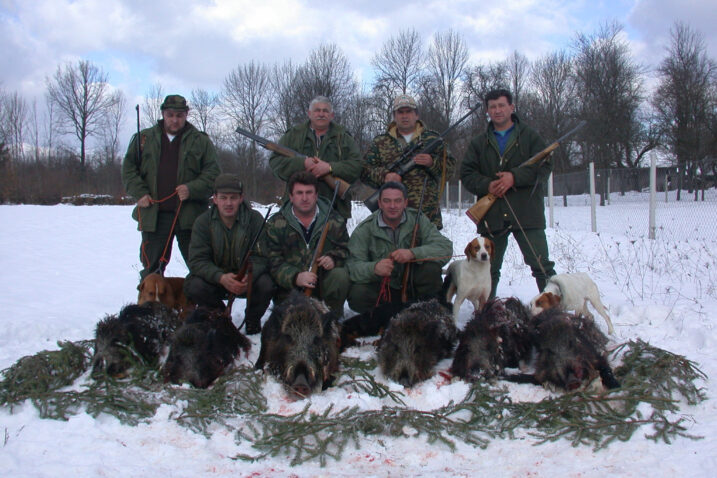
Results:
[65, 267]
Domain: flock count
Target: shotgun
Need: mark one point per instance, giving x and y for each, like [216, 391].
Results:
[414, 238]
[245, 266]
[313, 266]
[338, 183]
[405, 162]
[477, 211]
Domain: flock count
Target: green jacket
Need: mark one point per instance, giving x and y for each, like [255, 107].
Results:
[215, 250]
[483, 160]
[197, 169]
[387, 148]
[370, 243]
[338, 148]
[288, 253]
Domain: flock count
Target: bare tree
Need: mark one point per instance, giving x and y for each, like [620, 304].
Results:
[398, 67]
[610, 86]
[447, 59]
[15, 117]
[113, 122]
[685, 99]
[553, 85]
[152, 111]
[326, 72]
[203, 104]
[283, 112]
[477, 82]
[81, 95]
[246, 100]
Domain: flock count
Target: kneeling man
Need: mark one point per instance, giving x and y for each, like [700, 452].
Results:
[380, 247]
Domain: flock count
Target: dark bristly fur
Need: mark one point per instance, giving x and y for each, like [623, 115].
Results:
[300, 344]
[138, 333]
[203, 348]
[415, 341]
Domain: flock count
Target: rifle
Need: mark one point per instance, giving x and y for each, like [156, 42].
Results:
[313, 266]
[405, 162]
[414, 238]
[139, 147]
[245, 266]
[338, 183]
[477, 211]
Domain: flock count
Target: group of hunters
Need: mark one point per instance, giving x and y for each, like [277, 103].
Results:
[231, 250]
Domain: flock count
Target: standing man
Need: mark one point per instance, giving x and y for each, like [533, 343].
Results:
[328, 147]
[491, 165]
[380, 247]
[221, 237]
[405, 131]
[292, 236]
[174, 171]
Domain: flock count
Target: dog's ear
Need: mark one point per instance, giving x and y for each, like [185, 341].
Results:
[552, 299]
[490, 245]
[470, 250]
[140, 286]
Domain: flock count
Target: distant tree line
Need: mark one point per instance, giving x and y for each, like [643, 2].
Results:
[596, 78]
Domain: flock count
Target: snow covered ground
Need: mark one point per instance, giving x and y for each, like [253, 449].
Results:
[62, 268]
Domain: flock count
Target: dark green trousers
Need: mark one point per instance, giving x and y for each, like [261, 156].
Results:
[525, 239]
[153, 244]
[333, 287]
[425, 282]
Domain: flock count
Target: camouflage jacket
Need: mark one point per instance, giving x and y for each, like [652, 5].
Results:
[287, 251]
[483, 160]
[370, 243]
[197, 169]
[337, 147]
[387, 148]
[215, 250]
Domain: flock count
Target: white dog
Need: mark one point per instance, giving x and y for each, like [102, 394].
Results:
[571, 292]
[469, 278]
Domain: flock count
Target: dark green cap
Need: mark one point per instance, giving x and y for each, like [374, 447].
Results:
[174, 102]
[228, 183]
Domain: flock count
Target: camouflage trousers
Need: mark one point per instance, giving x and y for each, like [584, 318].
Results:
[153, 244]
[425, 282]
[333, 288]
[537, 258]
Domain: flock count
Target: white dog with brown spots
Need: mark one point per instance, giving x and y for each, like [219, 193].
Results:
[469, 278]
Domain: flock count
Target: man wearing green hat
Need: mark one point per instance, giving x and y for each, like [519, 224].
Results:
[171, 174]
[220, 239]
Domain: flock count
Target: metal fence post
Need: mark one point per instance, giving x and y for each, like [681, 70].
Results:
[653, 194]
[460, 197]
[593, 219]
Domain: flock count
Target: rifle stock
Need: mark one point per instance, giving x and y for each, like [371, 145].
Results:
[329, 178]
[477, 211]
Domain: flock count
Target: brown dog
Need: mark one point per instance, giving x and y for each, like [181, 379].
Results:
[167, 290]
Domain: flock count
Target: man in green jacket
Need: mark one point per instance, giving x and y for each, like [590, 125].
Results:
[221, 237]
[491, 165]
[174, 170]
[328, 147]
[405, 131]
[292, 236]
[380, 247]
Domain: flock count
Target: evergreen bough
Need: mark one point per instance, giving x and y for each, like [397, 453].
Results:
[654, 382]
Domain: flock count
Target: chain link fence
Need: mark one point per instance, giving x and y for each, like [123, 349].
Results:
[679, 215]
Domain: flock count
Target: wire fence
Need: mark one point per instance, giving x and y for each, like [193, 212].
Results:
[679, 215]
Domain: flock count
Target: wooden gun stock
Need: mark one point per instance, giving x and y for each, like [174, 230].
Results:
[314, 266]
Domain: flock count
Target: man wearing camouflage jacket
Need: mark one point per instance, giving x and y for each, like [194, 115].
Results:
[380, 247]
[175, 157]
[292, 236]
[405, 131]
[328, 147]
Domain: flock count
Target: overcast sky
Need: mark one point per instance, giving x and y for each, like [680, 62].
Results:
[186, 44]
